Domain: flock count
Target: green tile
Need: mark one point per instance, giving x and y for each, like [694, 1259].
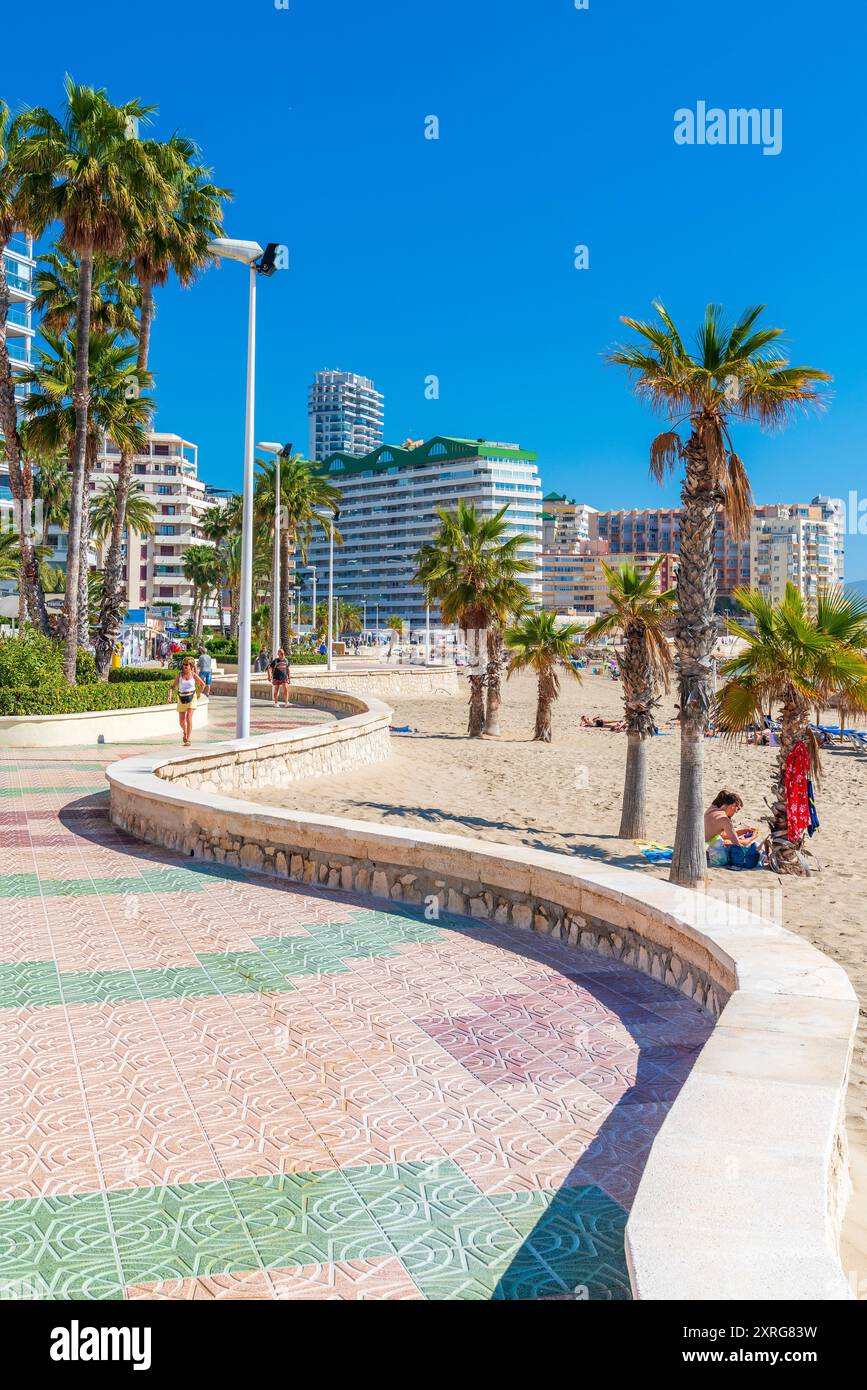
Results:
[244, 972]
[59, 1247]
[307, 1218]
[179, 1232]
[29, 984]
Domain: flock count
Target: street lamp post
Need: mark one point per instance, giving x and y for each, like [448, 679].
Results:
[260, 262]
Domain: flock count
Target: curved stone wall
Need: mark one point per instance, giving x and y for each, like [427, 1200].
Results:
[743, 1192]
[382, 682]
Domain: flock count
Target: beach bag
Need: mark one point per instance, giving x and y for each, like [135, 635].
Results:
[743, 856]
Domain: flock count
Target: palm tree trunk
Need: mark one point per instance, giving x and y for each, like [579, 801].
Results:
[633, 819]
[31, 598]
[146, 318]
[476, 723]
[234, 612]
[112, 604]
[78, 500]
[492, 714]
[694, 637]
[546, 695]
[639, 699]
[84, 554]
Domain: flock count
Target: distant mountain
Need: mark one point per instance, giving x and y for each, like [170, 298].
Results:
[859, 585]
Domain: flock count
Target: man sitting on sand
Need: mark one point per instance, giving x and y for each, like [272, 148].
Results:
[718, 821]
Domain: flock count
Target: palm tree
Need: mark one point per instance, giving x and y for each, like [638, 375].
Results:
[538, 643]
[462, 570]
[216, 525]
[90, 173]
[112, 411]
[13, 212]
[139, 514]
[793, 658]
[115, 298]
[51, 485]
[734, 374]
[308, 501]
[201, 567]
[114, 294]
[395, 628]
[642, 614]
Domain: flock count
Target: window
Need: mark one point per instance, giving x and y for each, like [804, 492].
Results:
[386, 456]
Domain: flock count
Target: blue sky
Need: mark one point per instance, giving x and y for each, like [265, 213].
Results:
[411, 257]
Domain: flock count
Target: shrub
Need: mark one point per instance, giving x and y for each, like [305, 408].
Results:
[124, 675]
[307, 659]
[30, 659]
[79, 699]
[85, 667]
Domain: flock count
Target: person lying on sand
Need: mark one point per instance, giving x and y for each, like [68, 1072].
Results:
[718, 821]
[617, 725]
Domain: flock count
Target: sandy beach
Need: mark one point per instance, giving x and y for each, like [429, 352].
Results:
[566, 796]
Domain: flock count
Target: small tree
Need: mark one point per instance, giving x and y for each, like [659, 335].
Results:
[538, 643]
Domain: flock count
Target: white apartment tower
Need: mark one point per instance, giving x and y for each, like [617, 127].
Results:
[168, 473]
[799, 544]
[388, 510]
[345, 413]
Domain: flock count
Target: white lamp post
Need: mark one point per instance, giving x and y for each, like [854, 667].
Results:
[260, 262]
[427, 634]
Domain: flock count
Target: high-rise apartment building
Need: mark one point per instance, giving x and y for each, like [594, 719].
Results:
[658, 529]
[153, 565]
[794, 545]
[19, 266]
[345, 413]
[388, 510]
[574, 581]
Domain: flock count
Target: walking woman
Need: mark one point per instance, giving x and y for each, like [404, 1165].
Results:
[187, 686]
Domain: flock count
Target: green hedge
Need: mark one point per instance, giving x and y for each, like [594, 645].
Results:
[80, 699]
[307, 659]
[123, 675]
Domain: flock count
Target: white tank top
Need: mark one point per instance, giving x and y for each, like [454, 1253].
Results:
[186, 684]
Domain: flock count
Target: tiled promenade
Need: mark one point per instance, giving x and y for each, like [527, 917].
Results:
[213, 1085]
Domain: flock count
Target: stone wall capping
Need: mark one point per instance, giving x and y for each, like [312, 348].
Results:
[743, 1191]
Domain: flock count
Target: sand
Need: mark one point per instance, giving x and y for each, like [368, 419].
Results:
[566, 796]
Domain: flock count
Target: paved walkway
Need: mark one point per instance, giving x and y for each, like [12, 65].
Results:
[213, 1085]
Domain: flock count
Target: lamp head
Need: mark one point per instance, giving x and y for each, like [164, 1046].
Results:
[247, 252]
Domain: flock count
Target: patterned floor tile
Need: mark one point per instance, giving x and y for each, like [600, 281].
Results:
[218, 1086]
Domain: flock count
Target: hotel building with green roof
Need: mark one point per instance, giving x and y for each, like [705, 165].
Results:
[389, 509]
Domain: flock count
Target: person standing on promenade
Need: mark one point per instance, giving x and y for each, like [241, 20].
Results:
[280, 676]
[186, 687]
